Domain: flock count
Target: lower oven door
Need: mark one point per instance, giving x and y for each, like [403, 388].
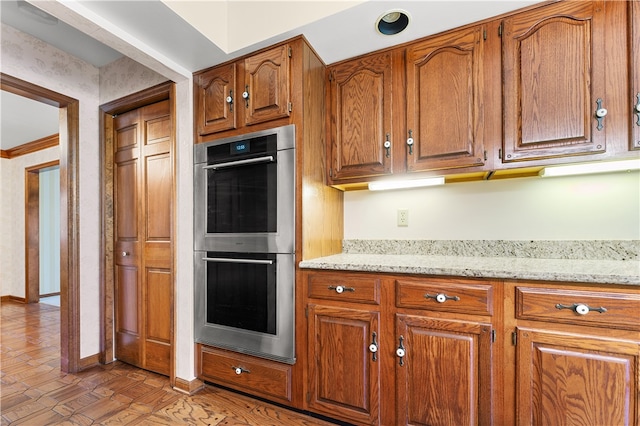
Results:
[245, 302]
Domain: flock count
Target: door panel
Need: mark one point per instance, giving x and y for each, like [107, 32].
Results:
[143, 188]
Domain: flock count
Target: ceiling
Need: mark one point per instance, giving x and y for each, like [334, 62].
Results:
[191, 35]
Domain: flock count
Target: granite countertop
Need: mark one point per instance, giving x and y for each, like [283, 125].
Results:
[606, 262]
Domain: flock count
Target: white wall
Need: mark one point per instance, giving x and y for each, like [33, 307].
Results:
[12, 214]
[49, 217]
[595, 207]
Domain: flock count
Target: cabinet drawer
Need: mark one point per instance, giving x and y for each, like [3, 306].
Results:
[268, 379]
[581, 307]
[345, 287]
[448, 296]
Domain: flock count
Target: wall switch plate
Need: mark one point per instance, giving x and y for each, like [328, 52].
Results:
[403, 217]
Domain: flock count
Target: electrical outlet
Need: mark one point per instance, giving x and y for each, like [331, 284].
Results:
[403, 217]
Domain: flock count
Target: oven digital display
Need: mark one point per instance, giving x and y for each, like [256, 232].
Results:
[241, 147]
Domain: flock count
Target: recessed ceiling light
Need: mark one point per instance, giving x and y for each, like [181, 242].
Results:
[392, 22]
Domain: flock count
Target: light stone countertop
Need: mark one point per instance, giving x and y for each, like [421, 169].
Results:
[608, 269]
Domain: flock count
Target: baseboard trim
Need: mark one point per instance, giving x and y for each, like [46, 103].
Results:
[189, 387]
[12, 299]
[88, 362]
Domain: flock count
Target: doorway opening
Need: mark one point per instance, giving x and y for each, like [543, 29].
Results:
[42, 233]
[69, 213]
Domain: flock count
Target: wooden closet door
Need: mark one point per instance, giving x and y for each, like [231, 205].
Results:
[143, 188]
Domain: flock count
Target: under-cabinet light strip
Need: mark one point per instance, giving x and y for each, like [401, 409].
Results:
[591, 168]
[405, 184]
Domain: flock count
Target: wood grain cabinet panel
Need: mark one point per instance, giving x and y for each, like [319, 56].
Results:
[554, 81]
[343, 372]
[445, 96]
[577, 379]
[261, 377]
[266, 79]
[343, 287]
[360, 110]
[216, 99]
[448, 295]
[579, 307]
[444, 378]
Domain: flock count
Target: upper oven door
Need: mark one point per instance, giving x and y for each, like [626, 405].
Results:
[246, 203]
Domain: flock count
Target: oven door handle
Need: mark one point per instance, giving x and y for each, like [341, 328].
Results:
[267, 159]
[228, 260]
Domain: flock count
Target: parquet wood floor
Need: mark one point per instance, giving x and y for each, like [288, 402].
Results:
[35, 392]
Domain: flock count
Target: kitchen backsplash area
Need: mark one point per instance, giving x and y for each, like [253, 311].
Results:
[597, 208]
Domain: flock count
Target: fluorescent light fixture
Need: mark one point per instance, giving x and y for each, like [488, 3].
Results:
[405, 184]
[591, 168]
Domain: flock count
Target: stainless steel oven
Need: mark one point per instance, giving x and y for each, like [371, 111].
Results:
[244, 256]
[244, 191]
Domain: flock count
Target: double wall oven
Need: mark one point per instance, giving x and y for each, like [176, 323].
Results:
[244, 206]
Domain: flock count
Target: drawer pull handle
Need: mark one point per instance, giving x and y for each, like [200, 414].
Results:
[373, 347]
[581, 308]
[341, 289]
[441, 297]
[240, 370]
[400, 352]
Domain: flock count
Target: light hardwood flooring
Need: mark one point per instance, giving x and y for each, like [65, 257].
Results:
[35, 392]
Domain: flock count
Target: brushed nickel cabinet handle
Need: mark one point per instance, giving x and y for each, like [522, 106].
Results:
[581, 308]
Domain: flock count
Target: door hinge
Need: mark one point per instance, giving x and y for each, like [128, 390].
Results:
[290, 51]
[500, 29]
[514, 338]
[290, 106]
[493, 336]
[484, 34]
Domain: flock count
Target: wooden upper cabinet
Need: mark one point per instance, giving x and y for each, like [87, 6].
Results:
[266, 85]
[216, 101]
[554, 81]
[360, 117]
[634, 7]
[445, 94]
[245, 92]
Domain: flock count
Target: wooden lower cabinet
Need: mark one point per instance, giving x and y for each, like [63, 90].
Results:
[444, 377]
[344, 369]
[576, 352]
[576, 379]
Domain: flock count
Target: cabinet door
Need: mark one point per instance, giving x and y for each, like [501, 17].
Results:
[360, 121]
[445, 375]
[266, 90]
[216, 100]
[343, 373]
[573, 379]
[554, 81]
[445, 93]
[635, 72]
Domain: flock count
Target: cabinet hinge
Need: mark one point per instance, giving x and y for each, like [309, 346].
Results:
[500, 153]
[331, 76]
[330, 173]
[306, 312]
[290, 51]
[308, 397]
[514, 338]
[290, 106]
[485, 155]
[484, 34]
[500, 29]
[493, 336]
